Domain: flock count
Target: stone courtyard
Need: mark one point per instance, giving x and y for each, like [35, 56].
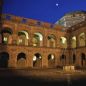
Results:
[27, 43]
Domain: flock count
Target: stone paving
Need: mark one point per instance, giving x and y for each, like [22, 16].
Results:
[42, 77]
[39, 72]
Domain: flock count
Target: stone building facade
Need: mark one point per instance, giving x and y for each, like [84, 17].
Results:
[27, 43]
[72, 18]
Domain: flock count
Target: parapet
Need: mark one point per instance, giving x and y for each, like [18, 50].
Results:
[31, 22]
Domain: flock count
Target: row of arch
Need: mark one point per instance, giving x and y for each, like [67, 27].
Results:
[81, 40]
[37, 60]
[38, 39]
[21, 60]
[24, 38]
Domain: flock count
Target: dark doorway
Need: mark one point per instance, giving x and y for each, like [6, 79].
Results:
[74, 58]
[63, 60]
[83, 59]
[21, 55]
[4, 57]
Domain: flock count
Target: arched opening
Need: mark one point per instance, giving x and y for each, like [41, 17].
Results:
[6, 35]
[4, 57]
[21, 60]
[38, 39]
[51, 61]
[74, 58]
[37, 60]
[23, 38]
[63, 60]
[63, 42]
[73, 42]
[83, 59]
[82, 39]
[51, 41]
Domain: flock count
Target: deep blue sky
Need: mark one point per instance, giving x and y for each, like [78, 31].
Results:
[43, 10]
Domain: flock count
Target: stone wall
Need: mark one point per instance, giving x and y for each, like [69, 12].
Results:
[62, 56]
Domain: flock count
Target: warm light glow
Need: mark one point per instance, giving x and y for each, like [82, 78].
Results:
[34, 44]
[5, 39]
[52, 57]
[20, 40]
[34, 58]
[74, 42]
[40, 57]
[40, 36]
[82, 34]
[25, 34]
[63, 40]
[69, 68]
[74, 38]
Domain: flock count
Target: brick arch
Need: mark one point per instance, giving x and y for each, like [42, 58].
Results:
[37, 60]
[21, 60]
[7, 29]
[81, 38]
[51, 60]
[63, 41]
[21, 55]
[38, 39]
[23, 30]
[51, 40]
[6, 35]
[23, 37]
[5, 25]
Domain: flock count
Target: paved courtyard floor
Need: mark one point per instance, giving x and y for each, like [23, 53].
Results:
[42, 77]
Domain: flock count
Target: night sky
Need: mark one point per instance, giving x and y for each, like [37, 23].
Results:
[43, 10]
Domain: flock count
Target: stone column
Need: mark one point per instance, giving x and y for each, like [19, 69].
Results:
[41, 43]
[58, 42]
[15, 39]
[26, 42]
[44, 60]
[68, 57]
[45, 41]
[54, 44]
[10, 40]
[57, 59]
[30, 59]
[77, 41]
[12, 60]
[78, 59]
[68, 42]
[30, 42]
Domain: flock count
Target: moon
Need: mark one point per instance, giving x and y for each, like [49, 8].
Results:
[57, 4]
